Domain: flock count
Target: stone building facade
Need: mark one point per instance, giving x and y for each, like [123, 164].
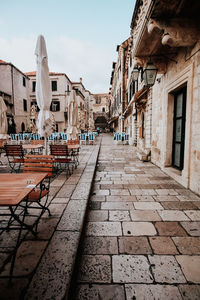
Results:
[61, 87]
[162, 119]
[167, 32]
[118, 91]
[14, 88]
[100, 111]
[82, 100]
[18, 90]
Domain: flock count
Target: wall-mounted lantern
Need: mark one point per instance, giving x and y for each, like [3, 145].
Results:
[135, 73]
[149, 74]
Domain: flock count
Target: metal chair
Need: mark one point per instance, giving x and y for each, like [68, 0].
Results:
[15, 156]
[61, 157]
[74, 152]
[36, 136]
[91, 138]
[83, 138]
[39, 163]
[64, 137]
[13, 138]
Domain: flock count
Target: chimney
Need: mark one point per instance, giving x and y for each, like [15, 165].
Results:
[80, 79]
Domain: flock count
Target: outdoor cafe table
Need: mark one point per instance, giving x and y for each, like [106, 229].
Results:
[32, 147]
[14, 188]
[73, 147]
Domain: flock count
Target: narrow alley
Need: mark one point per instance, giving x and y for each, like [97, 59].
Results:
[141, 238]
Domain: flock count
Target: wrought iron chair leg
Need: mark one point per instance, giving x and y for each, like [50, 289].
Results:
[21, 222]
[22, 225]
[44, 208]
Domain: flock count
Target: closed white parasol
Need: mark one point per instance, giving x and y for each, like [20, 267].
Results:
[43, 89]
[3, 119]
[72, 131]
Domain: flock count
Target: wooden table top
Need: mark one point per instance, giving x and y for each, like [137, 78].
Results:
[73, 146]
[30, 146]
[15, 187]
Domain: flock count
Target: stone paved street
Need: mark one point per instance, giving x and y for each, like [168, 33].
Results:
[142, 233]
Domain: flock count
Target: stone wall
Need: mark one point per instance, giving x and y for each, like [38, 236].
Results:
[185, 72]
[195, 130]
[5, 79]
[17, 91]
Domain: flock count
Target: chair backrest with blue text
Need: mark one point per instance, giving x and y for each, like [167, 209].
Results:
[36, 136]
[83, 137]
[118, 136]
[126, 137]
[91, 137]
[64, 136]
[50, 137]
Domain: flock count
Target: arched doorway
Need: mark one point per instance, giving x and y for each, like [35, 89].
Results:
[101, 122]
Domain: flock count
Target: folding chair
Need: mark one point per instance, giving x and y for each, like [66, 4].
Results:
[39, 163]
[51, 138]
[91, 138]
[83, 138]
[13, 138]
[74, 152]
[15, 155]
[61, 156]
[36, 136]
[126, 138]
[20, 137]
[27, 137]
[64, 137]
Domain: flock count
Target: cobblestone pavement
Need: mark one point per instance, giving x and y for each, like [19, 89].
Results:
[142, 233]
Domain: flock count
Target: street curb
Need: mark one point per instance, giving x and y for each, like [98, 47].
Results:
[92, 163]
[53, 275]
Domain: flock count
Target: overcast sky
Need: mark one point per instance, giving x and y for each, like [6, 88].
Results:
[81, 36]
